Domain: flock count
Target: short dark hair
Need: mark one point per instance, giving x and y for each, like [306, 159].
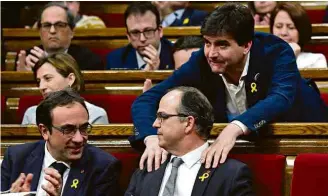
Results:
[231, 19]
[53, 100]
[69, 15]
[300, 18]
[195, 103]
[141, 7]
[188, 42]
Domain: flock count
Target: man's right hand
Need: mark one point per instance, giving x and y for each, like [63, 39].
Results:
[22, 184]
[33, 58]
[21, 63]
[153, 151]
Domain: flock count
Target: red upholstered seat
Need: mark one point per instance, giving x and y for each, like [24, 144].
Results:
[324, 97]
[267, 170]
[118, 107]
[316, 15]
[310, 175]
[102, 52]
[110, 19]
[130, 162]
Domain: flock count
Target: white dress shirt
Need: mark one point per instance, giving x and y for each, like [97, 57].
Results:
[47, 161]
[236, 97]
[169, 19]
[187, 172]
[311, 60]
[140, 60]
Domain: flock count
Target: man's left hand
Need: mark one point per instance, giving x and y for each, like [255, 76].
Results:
[54, 185]
[152, 58]
[220, 149]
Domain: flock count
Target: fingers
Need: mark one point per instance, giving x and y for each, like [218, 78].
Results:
[31, 60]
[17, 185]
[164, 156]
[38, 52]
[147, 85]
[27, 184]
[158, 158]
[143, 159]
[54, 185]
[21, 62]
[152, 57]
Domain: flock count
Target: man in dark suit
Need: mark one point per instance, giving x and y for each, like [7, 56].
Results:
[179, 14]
[56, 27]
[184, 121]
[63, 163]
[147, 50]
[251, 79]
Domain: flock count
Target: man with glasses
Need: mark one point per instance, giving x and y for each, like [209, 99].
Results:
[56, 25]
[147, 49]
[184, 120]
[63, 163]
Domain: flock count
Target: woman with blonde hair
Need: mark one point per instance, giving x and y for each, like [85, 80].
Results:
[56, 72]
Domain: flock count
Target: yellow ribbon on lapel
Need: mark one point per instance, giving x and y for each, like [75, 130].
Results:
[204, 176]
[253, 87]
[75, 183]
[185, 21]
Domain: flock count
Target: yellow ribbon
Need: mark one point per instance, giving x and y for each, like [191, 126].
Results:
[253, 86]
[185, 21]
[74, 183]
[204, 176]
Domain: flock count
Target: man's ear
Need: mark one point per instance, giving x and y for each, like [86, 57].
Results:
[44, 131]
[190, 124]
[248, 46]
[160, 30]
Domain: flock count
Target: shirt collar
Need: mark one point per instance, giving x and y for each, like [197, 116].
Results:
[244, 73]
[46, 53]
[49, 159]
[192, 157]
[140, 61]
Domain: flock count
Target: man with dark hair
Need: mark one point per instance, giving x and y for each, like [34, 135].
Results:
[147, 49]
[63, 163]
[251, 80]
[56, 26]
[184, 121]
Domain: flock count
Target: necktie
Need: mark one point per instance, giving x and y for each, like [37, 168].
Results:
[170, 184]
[60, 167]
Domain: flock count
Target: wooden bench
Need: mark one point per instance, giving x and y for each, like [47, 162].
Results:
[288, 139]
[17, 84]
[103, 41]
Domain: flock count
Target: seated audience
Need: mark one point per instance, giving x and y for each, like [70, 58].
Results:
[182, 50]
[83, 21]
[56, 27]
[183, 121]
[56, 72]
[261, 11]
[62, 163]
[291, 23]
[147, 49]
[178, 13]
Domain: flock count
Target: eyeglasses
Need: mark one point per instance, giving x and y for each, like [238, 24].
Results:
[148, 33]
[163, 116]
[58, 26]
[70, 130]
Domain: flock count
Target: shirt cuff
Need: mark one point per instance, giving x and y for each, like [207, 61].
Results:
[241, 126]
[148, 137]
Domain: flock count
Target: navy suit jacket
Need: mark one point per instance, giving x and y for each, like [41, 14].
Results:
[97, 171]
[190, 17]
[231, 178]
[126, 58]
[281, 94]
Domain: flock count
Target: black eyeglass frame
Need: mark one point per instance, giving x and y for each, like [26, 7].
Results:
[136, 34]
[60, 25]
[161, 116]
[72, 132]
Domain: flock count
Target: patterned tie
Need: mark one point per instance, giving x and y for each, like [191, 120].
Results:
[170, 184]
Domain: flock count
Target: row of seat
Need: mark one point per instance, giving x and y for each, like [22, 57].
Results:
[270, 157]
[117, 106]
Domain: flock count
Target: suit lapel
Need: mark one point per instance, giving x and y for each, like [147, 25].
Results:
[131, 61]
[202, 179]
[76, 176]
[34, 165]
[155, 180]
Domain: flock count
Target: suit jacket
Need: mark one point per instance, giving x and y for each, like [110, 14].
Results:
[190, 17]
[84, 57]
[126, 58]
[232, 178]
[275, 91]
[97, 171]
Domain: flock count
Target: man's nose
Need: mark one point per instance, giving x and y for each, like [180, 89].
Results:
[156, 123]
[52, 29]
[213, 52]
[78, 137]
[142, 37]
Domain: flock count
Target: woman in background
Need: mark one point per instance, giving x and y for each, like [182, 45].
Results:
[56, 72]
[290, 22]
[261, 11]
